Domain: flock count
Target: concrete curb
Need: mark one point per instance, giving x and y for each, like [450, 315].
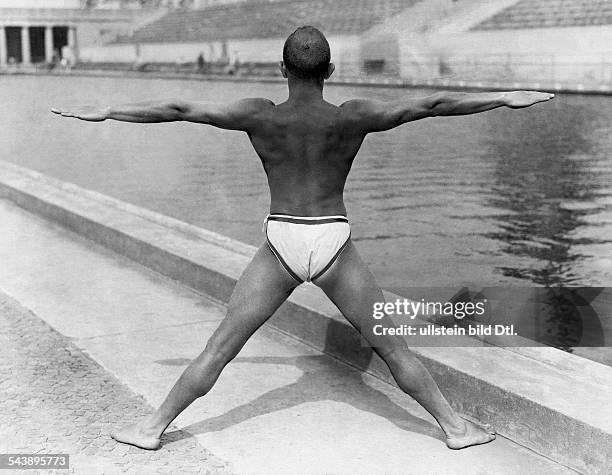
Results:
[357, 81]
[528, 394]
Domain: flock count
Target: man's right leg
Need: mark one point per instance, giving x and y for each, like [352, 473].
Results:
[261, 289]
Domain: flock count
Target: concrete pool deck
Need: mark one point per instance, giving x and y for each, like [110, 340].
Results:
[280, 407]
[528, 394]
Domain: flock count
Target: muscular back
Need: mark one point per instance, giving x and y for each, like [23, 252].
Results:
[307, 150]
[307, 145]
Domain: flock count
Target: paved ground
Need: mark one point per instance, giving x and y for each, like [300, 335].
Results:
[106, 339]
[56, 399]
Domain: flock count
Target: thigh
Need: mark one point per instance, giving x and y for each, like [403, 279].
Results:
[351, 286]
[262, 288]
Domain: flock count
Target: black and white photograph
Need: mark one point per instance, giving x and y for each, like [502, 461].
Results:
[306, 237]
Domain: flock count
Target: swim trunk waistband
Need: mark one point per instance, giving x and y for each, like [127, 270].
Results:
[288, 218]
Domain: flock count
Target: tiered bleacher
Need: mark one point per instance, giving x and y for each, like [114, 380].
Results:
[549, 14]
[250, 20]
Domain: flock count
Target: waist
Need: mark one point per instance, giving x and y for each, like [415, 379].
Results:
[289, 218]
[301, 204]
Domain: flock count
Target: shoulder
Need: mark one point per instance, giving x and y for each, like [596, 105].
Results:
[255, 104]
[364, 114]
[249, 113]
[360, 106]
[252, 110]
[364, 109]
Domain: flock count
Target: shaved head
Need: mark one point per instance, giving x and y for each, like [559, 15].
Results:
[306, 53]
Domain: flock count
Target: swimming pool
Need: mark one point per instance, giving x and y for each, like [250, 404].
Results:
[503, 198]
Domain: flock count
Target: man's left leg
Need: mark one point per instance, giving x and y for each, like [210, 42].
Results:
[353, 289]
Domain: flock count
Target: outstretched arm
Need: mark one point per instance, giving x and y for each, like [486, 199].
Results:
[378, 116]
[235, 116]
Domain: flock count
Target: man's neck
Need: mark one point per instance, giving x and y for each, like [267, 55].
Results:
[305, 90]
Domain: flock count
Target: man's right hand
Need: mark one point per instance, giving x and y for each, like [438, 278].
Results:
[520, 99]
[91, 114]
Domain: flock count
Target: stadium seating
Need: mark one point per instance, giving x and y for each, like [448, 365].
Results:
[550, 13]
[250, 20]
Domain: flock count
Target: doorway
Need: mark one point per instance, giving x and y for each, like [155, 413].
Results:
[37, 44]
[13, 44]
[60, 39]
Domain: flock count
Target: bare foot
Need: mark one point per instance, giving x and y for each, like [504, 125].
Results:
[136, 435]
[473, 434]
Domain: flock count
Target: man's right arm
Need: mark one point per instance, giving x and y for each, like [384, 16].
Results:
[377, 116]
[238, 115]
[141, 112]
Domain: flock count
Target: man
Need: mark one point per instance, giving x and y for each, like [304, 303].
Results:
[307, 147]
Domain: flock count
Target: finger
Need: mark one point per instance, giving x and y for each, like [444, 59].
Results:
[56, 111]
[544, 97]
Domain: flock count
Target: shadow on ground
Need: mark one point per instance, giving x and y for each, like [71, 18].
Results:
[321, 380]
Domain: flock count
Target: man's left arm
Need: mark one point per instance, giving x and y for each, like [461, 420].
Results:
[377, 116]
[464, 103]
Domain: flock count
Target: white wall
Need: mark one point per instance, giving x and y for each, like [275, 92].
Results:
[344, 51]
[585, 42]
[112, 54]
[259, 50]
[553, 54]
[40, 3]
[209, 3]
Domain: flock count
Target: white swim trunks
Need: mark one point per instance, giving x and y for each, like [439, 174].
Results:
[307, 246]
